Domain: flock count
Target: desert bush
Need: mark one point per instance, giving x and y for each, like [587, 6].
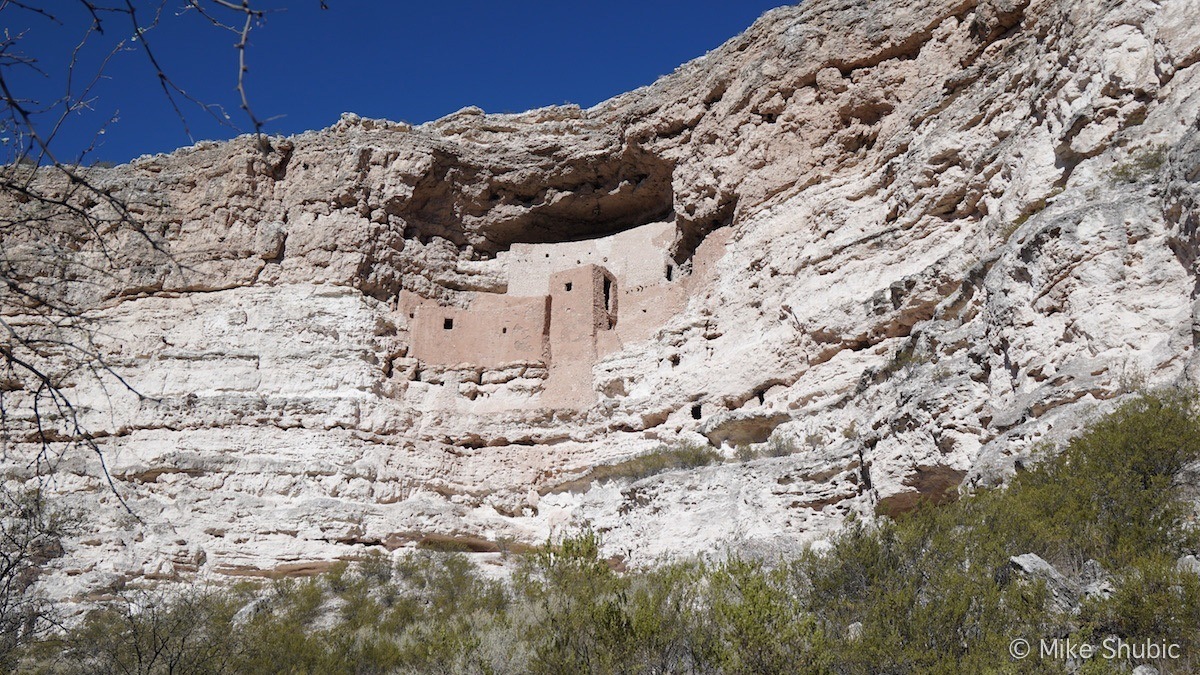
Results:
[31, 533]
[781, 446]
[665, 458]
[1139, 165]
[757, 623]
[921, 600]
[1153, 600]
[906, 357]
[575, 610]
[1113, 494]
[668, 620]
[148, 633]
[932, 591]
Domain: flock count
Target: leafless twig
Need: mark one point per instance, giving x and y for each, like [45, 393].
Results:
[65, 236]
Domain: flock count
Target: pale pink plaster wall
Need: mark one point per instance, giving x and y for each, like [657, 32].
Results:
[566, 330]
[493, 331]
[634, 257]
[577, 315]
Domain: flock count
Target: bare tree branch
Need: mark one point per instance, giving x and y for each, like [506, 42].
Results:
[67, 237]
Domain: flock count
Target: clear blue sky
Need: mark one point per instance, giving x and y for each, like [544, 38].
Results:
[411, 61]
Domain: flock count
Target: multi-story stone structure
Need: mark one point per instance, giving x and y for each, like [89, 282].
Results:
[566, 306]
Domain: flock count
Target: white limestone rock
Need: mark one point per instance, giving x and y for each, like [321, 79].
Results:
[913, 243]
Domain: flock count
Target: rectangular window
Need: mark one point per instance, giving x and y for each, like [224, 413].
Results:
[568, 286]
[447, 324]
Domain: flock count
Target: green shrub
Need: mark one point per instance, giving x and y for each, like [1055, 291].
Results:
[31, 534]
[667, 620]
[576, 604]
[1153, 600]
[931, 589]
[665, 458]
[904, 358]
[781, 446]
[1113, 494]
[150, 633]
[1139, 165]
[757, 624]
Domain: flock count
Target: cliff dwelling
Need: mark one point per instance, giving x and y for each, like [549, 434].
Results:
[565, 306]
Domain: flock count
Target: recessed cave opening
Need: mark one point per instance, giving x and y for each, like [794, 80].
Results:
[477, 208]
[578, 201]
[447, 324]
[696, 411]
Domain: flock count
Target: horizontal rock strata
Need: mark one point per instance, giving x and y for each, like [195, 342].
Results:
[869, 252]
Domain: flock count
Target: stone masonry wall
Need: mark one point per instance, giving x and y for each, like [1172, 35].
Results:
[494, 331]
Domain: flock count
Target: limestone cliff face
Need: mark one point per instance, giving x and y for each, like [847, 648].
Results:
[906, 242]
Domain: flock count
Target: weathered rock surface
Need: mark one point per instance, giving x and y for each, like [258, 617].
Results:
[1063, 594]
[910, 242]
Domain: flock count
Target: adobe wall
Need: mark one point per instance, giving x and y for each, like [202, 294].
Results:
[646, 308]
[583, 304]
[562, 315]
[495, 330]
[635, 257]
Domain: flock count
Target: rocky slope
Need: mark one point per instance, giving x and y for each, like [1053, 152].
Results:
[917, 241]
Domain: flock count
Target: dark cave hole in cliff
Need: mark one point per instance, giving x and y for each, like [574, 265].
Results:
[483, 209]
[577, 201]
[565, 199]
